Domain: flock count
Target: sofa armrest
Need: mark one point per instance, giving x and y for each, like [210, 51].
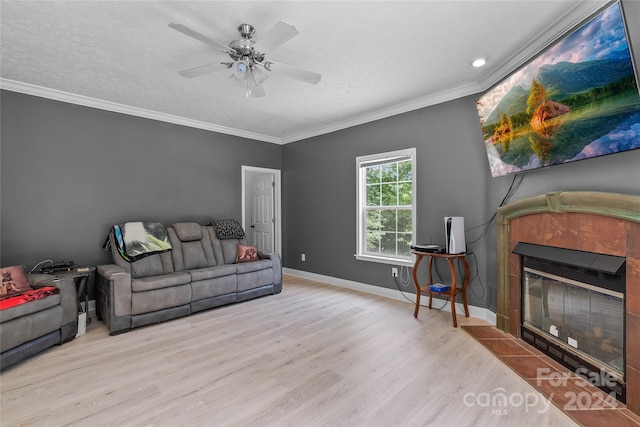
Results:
[119, 282]
[41, 280]
[113, 298]
[277, 264]
[109, 270]
[68, 293]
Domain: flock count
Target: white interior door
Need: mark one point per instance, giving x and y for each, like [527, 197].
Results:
[262, 218]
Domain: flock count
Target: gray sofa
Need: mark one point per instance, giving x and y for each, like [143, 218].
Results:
[34, 326]
[198, 273]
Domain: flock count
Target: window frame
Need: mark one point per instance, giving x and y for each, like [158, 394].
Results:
[361, 210]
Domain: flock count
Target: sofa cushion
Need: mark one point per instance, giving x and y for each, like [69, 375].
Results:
[210, 288]
[254, 279]
[147, 267]
[158, 282]
[248, 267]
[230, 250]
[246, 253]
[188, 231]
[193, 255]
[14, 281]
[212, 272]
[160, 299]
[23, 329]
[30, 308]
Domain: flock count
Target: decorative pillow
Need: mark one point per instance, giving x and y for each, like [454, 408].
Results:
[14, 281]
[228, 229]
[247, 253]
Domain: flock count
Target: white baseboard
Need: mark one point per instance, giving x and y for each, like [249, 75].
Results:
[477, 312]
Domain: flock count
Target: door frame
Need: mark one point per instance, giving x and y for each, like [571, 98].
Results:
[277, 200]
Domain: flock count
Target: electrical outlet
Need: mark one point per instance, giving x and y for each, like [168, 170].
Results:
[303, 257]
[394, 272]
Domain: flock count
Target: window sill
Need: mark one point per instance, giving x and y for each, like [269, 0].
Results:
[384, 260]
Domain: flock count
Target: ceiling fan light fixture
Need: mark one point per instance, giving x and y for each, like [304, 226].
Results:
[258, 75]
[241, 69]
[252, 87]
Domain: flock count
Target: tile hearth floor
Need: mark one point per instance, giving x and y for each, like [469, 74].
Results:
[583, 402]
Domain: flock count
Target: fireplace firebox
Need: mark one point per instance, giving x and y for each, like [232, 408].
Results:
[573, 310]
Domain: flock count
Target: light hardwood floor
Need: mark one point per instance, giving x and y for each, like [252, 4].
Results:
[314, 355]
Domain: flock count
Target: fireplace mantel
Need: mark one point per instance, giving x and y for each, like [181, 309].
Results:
[607, 223]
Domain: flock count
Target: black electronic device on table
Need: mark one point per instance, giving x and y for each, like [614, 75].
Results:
[57, 266]
[435, 249]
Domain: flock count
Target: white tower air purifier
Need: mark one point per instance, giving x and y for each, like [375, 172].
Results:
[454, 233]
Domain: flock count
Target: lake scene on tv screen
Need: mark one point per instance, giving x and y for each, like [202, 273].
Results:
[576, 100]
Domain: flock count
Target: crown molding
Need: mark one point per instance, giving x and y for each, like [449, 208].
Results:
[58, 95]
[406, 107]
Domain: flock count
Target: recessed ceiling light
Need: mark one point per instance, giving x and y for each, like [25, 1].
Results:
[479, 62]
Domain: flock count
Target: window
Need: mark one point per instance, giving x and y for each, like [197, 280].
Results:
[386, 207]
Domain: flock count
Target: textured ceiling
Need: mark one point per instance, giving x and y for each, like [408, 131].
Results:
[376, 58]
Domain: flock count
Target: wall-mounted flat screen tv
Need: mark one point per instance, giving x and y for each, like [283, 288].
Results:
[575, 100]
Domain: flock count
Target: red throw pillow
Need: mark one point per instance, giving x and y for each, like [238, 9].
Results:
[247, 253]
[14, 281]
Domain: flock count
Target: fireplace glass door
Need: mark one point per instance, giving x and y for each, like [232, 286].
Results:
[581, 317]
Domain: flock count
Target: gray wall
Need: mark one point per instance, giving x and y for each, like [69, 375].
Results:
[319, 186]
[70, 172]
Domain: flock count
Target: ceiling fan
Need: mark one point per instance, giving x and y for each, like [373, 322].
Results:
[248, 57]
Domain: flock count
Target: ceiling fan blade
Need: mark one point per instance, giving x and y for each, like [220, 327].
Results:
[204, 69]
[295, 72]
[275, 37]
[200, 37]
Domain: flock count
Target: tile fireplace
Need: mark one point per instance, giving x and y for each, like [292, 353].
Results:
[541, 304]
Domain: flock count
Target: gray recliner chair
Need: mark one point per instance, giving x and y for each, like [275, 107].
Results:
[34, 326]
